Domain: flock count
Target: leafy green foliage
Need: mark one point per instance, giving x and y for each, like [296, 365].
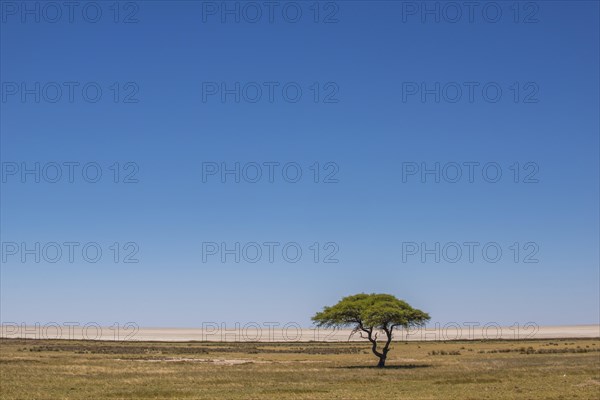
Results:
[378, 311]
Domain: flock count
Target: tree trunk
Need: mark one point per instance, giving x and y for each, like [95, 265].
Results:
[383, 355]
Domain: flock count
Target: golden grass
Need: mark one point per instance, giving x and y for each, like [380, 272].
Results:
[527, 369]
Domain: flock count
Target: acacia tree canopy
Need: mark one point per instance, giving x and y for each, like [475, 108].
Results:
[370, 314]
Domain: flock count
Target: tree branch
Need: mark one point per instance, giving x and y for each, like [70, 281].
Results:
[388, 332]
[373, 340]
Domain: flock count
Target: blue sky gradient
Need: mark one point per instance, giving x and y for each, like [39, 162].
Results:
[370, 57]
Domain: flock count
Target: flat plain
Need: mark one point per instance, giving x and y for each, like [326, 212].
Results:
[475, 369]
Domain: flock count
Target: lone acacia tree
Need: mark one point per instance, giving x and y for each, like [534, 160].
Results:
[371, 314]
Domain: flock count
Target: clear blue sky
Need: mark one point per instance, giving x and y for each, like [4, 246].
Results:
[371, 61]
